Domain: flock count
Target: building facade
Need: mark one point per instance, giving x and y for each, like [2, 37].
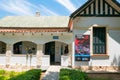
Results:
[89, 39]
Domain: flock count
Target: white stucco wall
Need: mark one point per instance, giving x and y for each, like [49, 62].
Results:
[21, 60]
[86, 22]
[82, 25]
[2, 59]
[36, 38]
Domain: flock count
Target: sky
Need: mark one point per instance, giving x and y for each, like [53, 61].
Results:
[45, 7]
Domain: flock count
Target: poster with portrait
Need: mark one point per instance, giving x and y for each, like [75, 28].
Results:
[82, 47]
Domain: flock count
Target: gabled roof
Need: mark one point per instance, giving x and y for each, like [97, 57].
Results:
[98, 8]
[35, 22]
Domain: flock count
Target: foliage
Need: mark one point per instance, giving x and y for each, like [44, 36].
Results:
[33, 74]
[5, 75]
[72, 74]
[2, 72]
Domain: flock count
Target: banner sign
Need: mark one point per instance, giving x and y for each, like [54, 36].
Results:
[82, 47]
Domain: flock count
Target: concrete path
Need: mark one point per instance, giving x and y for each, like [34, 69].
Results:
[52, 73]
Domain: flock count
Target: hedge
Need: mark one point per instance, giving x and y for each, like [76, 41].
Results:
[72, 74]
[33, 74]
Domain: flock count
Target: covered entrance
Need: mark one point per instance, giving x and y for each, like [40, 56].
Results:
[55, 49]
[24, 47]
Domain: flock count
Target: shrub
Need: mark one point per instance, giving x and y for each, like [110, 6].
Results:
[2, 72]
[71, 74]
[2, 77]
[33, 74]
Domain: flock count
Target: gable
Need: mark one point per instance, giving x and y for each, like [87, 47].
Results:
[98, 8]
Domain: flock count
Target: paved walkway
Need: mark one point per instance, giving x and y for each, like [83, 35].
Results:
[52, 73]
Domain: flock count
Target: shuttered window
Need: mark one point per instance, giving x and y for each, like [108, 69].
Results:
[99, 40]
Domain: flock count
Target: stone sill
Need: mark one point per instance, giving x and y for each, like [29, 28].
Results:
[100, 55]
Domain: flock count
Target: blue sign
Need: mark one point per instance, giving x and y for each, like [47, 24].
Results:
[55, 37]
[82, 57]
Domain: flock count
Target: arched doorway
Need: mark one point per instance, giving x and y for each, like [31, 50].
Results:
[2, 47]
[55, 49]
[24, 47]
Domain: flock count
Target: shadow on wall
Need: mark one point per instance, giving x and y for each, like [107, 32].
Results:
[119, 62]
[115, 35]
[116, 62]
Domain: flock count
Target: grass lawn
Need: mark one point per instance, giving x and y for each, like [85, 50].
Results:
[33, 74]
[5, 75]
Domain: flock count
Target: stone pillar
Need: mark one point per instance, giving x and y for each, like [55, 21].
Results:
[39, 54]
[8, 53]
[73, 54]
[70, 54]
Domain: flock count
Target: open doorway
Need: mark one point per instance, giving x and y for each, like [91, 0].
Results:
[55, 49]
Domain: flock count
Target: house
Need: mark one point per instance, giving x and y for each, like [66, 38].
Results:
[89, 39]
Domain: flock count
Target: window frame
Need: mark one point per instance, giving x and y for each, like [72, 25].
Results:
[106, 40]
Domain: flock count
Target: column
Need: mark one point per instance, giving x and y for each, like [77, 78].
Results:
[8, 53]
[73, 54]
[70, 54]
[39, 54]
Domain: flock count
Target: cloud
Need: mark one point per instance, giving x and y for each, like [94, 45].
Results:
[23, 7]
[46, 11]
[17, 7]
[67, 4]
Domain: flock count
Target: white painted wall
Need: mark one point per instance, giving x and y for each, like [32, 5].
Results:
[86, 22]
[21, 60]
[36, 38]
[83, 25]
[45, 60]
[2, 59]
[64, 60]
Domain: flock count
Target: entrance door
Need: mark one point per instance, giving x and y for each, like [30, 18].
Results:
[55, 49]
[50, 50]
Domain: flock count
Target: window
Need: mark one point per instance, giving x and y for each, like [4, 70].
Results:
[99, 40]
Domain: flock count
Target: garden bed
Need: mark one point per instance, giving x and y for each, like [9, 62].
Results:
[72, 74]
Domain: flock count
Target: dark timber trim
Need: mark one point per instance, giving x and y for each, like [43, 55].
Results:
[99, 6]
[104, 5]
[89, 9]
[94, 8]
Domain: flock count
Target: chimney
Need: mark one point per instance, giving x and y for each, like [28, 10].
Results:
[37, 14]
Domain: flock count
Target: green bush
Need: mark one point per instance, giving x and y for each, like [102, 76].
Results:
[71, 74]
[2, 72]
[2, 77]
[33, 74]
